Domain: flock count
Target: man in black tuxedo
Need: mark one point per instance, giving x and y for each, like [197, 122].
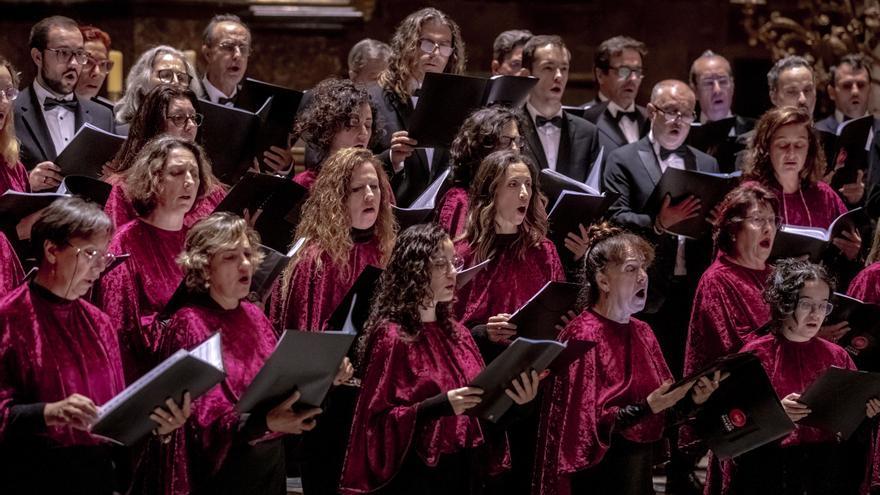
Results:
[618, 68]
[850, 89]
[507, 52]
[48, 113]
[556, 139]
[633, 171]
[719, 132]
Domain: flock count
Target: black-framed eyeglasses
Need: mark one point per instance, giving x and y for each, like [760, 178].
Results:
[93, 255]
[448, 265]
[181, 120]
[709, 83]
[761, 222]
[625, 71]
[104, 66]
[428, 46]
[507, 142]
[11, 93]
[170, 76]
[230, 47]
[671, 116]
[67, 54]
[824, 307]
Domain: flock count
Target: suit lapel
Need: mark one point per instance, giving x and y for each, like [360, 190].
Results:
[534, 141]
[33, 118]
[609, 127]
[563, 156]
[649, 160]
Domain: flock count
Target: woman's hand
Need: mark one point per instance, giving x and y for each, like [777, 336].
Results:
[795, 410]
[577, 244]
[499, 329]
[173, 416]
[76, 411]
[279, 160]
[855, 191]
[705, 386]
[849, 243]
[402, 146]
[46, 175]
[462, 399]
[662, 399]
[834, 332]
[283, 419]
[872, 407]
[344, 373]
[525, 388]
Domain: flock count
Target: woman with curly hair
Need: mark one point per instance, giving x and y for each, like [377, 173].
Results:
[602, 417]
[164, 183]
[340, 115]
[484, 131]
[168, 110]
[426, 41]
[218, 449]
[807, 461]
[13, 175]
[410, 433]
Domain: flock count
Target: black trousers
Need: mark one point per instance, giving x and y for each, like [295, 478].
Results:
[812, 469]
[458, 473]
[68, 470]
[624, 470]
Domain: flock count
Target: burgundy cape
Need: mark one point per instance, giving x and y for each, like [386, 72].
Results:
[51, 348]
[820, 205]
[866, 285]
[139, 287]
[317, 286]
[306, 178]
[402, 372]
[11, 273]
[506, 283]
[728, 308]
[453, 212]
[199, 450]
[14, 177]
[121, 211]
[580, 406]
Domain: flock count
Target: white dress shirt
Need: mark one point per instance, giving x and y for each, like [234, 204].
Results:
[628, 126]
[60, 121]
[215, 94]
[548, 134]
[429, 152]
[673, 161]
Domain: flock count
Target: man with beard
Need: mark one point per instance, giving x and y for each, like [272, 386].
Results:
[48, 113]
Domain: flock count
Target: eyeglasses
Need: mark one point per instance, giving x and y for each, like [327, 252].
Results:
[448, 265]
[181, 120]
[761, 222]
[94, 256]
[508, 142]
[68, 54]
[429, 46]
[823, 308]
[170, 76]
[10, 93]
[230, 47]
[624, 71]
[104, 66]
[671, 116]
[722, 82]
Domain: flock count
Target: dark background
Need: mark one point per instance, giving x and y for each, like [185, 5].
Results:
[300, 53]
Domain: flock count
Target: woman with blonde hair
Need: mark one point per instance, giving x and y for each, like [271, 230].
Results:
[13, 175]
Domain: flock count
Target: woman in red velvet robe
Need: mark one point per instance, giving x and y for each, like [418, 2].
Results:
[60, 361]
[339, 115]
[866, 285]
[170, 110]
[602, 417]
[219, 451]
[807, 461]
[11, 274]
[13, 175]
[164, 183]
[409, 433]
[729, 305]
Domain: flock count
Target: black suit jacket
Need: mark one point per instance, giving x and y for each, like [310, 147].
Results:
[725, 148]
[610, 135]
[578, 146]
[633, 171]
[393, 115]
[32, 133]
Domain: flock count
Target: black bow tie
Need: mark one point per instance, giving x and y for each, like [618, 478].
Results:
[49, 103]
[633, 116]
[224, 100]
[542, 121]
[417, 93]
[681, 151]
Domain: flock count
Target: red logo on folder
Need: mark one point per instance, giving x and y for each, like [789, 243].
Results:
[737, 418]
[859, 342]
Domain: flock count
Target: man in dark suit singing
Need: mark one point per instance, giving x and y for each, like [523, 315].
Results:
[618, 68]
[556, 139]
[48, 113]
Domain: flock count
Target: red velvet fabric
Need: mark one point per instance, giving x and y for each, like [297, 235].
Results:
[140, 287]
[51, 348]
[866, 285]
[318, 285]
[506, 283]
[819, 207]
[14, 177]
[580, 406]
[121, 211]
[306, 178]
[201, 447]
[453, 211]
[11, 273]
[728, 308]
[400, 373]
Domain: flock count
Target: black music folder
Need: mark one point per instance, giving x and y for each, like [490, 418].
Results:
[851, 138]
[837, 400]
[538, 317]
[862, 342]
[88, 188]
[421, 209]
[89, 150]
[573, 209]
[126, 417]
[303, 361]
[356, 303]
[680, 184]
[521, 355]
[16, 205]
[794, 240]
[447, 99]
[229, 136]
[281, 116]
